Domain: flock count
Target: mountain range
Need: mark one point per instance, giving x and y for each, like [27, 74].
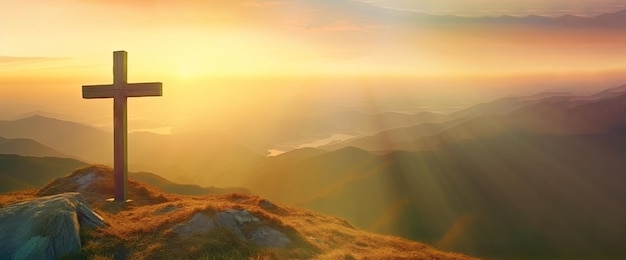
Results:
[23, 146]
[30, 172]
[615, 20]
[545, 113]
[520, 177]
[363, 12]
[192, 157]
[204, 156]
[539, 179]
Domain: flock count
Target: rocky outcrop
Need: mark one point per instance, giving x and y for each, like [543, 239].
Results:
[242, 223]
[46, 227]
[198, 224]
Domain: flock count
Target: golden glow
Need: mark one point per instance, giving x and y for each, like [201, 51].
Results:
[264, 74]
[234, 58]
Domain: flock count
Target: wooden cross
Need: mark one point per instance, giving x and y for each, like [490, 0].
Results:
[119, 91]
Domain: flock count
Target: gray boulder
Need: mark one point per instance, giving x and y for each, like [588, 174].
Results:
[46, 227]
[199, 224]
[268, 237]
[235, 220]
[242, 223]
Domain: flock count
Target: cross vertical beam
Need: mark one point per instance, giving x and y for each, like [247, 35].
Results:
[120, 129]
[120, 90]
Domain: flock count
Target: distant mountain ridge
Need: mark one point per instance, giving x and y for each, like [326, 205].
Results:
[67, 137]
[543, 113]
[29, 172]
[615, 21]
[199, 154]
[27, 147]
[545, 167]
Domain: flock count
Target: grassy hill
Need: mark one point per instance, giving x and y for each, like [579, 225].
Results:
[143, 228]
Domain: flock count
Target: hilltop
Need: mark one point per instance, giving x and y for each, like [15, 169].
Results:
[231, 226]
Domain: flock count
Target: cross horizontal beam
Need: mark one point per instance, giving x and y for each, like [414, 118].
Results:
[150, 89]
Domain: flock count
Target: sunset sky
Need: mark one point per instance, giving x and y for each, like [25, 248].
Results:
[231, 52]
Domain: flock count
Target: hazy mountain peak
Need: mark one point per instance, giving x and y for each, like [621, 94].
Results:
[40, 119]
[609, 93]
[41, 113]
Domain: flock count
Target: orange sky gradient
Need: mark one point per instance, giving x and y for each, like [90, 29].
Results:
[223, 59]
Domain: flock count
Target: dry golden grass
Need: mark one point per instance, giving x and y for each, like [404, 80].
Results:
[142, 228]
[14, 197]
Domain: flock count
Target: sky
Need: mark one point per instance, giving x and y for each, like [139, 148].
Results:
[505, 7]
[236, 58]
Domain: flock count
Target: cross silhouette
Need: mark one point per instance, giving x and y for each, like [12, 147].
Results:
[120, 90]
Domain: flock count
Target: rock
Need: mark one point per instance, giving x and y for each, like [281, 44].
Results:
[200, 223]
[243, 217]
[269, 237]
[229, 220]
[46, 227]
[242, 223]
[85, 180]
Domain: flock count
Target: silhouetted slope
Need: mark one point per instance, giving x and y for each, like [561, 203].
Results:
[616, 20]
[206, 159]
[497, 107]
[66, 137]
[317, 172]
[198, 157]
[8, 184]
[478, 120]
[22, 172]
[165, 185]
[556, 115]
[505, 196]
[607, 115]
[301, 153]
[359, 123]
[395, 139]
[542, 180]
[608, 21]
[27, 147]
[590, 116]
[609, 93]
